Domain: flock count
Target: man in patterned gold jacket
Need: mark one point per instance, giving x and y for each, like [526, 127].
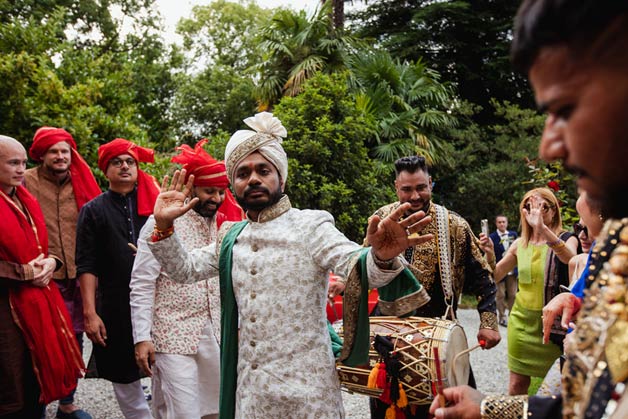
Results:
[574, 52]
[444, 266]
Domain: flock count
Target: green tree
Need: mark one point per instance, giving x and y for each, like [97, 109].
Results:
[223, 33]
[466, 41]
[295, 48]
[329, 164]
[99, 89]
[217, 99]
[489, 171]
[407, 101]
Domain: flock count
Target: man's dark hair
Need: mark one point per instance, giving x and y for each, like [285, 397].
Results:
[410, 164]
[541, 23]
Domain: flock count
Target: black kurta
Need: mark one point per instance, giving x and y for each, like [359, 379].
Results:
[106, 226]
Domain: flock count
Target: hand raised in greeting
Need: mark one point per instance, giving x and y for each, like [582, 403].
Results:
[172, 202]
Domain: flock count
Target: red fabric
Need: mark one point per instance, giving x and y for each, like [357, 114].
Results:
[39, 312]
[209, 172]
[84, 184]
[147, 186]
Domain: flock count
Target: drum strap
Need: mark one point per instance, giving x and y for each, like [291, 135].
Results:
[444, 259]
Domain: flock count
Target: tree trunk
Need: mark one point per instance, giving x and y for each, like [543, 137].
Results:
[338, 10]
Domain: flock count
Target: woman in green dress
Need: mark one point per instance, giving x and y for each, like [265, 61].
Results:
[541, 256]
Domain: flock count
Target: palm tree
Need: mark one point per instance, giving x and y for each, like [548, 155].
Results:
[408, 102]
[295, 47]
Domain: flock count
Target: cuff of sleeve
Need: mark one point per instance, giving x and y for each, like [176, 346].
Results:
[504, 407]
[58, 261]
[390, 265]
[27, 273]
[488, 320]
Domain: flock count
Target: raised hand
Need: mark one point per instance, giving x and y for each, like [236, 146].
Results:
[391, 236]
[172, 202]
[534, 215]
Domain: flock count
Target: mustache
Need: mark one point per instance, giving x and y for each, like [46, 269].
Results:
[574, 170]
[255, 188]
[209, 202]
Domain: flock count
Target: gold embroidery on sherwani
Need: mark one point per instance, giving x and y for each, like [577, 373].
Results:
[599, 341]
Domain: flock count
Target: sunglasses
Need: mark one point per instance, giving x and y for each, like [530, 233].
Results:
[579, 228]
[545, 208]
[119, 162]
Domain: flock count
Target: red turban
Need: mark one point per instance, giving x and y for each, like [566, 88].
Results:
[209, 172]
[147, 186]
[84, 184]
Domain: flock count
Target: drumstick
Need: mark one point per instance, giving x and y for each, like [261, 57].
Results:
[439, 379]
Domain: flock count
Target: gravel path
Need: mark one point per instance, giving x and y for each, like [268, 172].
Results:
[490, 369]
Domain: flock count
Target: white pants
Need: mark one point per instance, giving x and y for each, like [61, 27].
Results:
[131, 400]
[188, 386]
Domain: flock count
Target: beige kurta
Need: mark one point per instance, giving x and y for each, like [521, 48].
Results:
[286, 368]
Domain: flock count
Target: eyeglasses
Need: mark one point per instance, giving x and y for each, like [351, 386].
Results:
[579, 228]
[545, 208]
[118, 162]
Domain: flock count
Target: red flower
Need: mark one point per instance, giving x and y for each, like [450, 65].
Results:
[552, 184]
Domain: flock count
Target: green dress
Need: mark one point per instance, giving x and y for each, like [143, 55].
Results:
[527, 355]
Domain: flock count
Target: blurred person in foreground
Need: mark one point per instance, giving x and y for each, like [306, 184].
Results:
[176, 328]
[574, 52]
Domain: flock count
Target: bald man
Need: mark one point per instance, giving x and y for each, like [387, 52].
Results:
[28, 298]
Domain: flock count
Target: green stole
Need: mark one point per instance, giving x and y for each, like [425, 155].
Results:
[229, 326]
[356, 343]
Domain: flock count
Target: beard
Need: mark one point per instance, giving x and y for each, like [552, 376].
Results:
[203, 209]
[273, 198]
[614, 204]
[56, 171]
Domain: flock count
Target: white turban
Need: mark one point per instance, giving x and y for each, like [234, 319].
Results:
[266, 140]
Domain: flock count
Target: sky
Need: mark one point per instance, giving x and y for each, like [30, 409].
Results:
[173, 10]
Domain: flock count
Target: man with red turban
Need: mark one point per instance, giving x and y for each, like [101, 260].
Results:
[176, 327]
[107, 232]
[62, 183]
[40, 360]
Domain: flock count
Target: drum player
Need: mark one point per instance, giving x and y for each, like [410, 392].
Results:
[443, 264]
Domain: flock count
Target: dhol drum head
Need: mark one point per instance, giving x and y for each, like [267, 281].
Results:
[413, 340]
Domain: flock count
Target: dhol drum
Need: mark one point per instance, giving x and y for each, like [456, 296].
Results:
[414, 340]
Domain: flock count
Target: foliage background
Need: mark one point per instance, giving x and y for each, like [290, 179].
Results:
[397, 77]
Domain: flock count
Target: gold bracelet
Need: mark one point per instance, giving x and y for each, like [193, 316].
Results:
[504, 407]
[382, 264]
[555, 244]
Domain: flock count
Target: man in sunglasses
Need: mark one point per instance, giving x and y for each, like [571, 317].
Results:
[106, 239]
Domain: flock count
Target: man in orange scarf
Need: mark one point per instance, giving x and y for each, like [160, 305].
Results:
[107, 232]
[39, 356]
[62, 184]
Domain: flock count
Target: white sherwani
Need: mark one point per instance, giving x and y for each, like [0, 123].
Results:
[183, 321]
[281, 263]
